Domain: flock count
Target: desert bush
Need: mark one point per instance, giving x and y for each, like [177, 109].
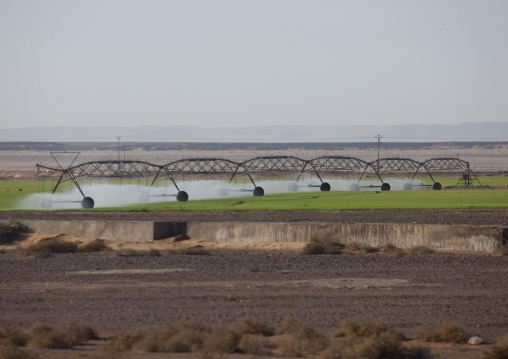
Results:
[256, 345]
[124, 341]
[497, 351]
[385, 345]
[447, 332]
[312, 248]
[300, 339]
[393, 251]
[368, 339]
[11, 232]
[419, 250]
[11, 335]
[96, 245]
[48, 246]
[64, 336]
[12, 352]
[356, 247]
[222, 339]
[252, 326]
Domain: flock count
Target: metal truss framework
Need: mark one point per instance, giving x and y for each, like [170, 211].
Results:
[223, 168]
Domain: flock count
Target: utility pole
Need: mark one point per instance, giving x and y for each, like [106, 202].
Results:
[118, 147]
[378, 146]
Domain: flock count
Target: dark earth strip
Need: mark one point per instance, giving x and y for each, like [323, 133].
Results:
[473, 216]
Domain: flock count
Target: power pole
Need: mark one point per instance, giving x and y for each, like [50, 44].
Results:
[118, 147]
[378, 146]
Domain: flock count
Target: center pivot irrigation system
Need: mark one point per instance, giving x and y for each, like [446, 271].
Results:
[266, 168]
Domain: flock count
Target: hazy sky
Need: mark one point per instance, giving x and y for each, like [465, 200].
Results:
[238, 63]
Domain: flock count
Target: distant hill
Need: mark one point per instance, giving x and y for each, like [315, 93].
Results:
[464, 132]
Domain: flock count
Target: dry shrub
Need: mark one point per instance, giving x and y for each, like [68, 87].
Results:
[222, 339]
[96, 245]
[312, 248]
[419, 250]
[12, 352]
[368, 339]
[321, 245]
[393, 251]
[11, 232]
[252, 326]
[64, 336]
[448, 332]
[256, 345]
[11, 335]
[356, 247]
[385, 345]
[498, 350]
[48, 246]
[300, 339]
[124, 341]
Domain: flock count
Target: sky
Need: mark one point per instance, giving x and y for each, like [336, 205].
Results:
[216, 63]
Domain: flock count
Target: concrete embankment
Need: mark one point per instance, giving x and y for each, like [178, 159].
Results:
[481, 239]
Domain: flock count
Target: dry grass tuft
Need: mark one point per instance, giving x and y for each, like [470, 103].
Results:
[419, 250]
[256, 345]
[324, 244]
[498, 350]
[48, 246]
[96, 245]
[369, 339]
[300, 339]
[64, 336]
[393, 251]
[11, 335]
[11, 232]
[222, 339]
[448, 332]
[356, 247]
[252, 326]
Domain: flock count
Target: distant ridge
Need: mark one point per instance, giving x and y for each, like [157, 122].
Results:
[467, 131]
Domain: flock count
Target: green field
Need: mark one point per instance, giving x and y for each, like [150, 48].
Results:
[13, 192]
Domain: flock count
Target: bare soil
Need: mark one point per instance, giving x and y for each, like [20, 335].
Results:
[266, 281]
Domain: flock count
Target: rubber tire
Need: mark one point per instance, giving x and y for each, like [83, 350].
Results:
[223, 191]
[258, 192]
[87, 202]
[292, 187]
[182, 196]
[436, 186]
[325, 187]
[45, 203]
[385, 187]
[144, 197]
[407, 186]
[354, 187]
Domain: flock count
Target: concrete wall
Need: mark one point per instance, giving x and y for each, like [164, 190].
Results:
[483, 239]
